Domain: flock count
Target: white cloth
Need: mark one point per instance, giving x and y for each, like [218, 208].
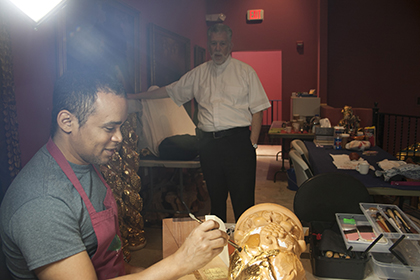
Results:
[227, 94]
[159, 119]
[344, 162]
[389, 164]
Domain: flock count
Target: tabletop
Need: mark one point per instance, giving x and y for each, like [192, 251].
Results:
[321, 162]
[277, 130]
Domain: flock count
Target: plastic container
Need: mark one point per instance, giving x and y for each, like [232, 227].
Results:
[389, 266]
[338, 131]
[291, 179]
[315, 122]
[354, 226]
[374, 212]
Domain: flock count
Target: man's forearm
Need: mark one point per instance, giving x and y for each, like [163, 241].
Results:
[256, 126]
[154, 94]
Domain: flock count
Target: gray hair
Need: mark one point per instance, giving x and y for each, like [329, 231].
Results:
[219, 27]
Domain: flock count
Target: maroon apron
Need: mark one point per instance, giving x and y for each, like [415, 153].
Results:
[108, 259]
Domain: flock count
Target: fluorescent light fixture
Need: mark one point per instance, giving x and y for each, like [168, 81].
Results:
[38, 11]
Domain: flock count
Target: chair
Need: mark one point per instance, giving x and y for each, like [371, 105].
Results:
[323, 195]
[300, 147]
[302, 170]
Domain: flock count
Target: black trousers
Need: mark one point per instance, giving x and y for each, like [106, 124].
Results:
[229, 166]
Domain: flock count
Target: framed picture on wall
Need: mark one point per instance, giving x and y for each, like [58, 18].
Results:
[199, 55]
[100, 34]
[169, 56]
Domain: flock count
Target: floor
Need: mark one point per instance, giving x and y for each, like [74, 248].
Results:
[266, 191]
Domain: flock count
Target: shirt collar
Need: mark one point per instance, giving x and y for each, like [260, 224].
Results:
[222, 66]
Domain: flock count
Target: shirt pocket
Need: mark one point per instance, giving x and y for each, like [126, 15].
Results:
[235, 95]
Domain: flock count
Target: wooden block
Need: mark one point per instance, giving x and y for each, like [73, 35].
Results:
[174, 233]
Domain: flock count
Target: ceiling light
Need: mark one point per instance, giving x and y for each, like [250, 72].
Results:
[38, 11]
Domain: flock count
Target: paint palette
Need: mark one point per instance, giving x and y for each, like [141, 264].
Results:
[358, 233]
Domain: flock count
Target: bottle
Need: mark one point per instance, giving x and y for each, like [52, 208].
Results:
[315, 122]
[337, 142]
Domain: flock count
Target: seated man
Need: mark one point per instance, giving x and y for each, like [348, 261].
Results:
[58, 219]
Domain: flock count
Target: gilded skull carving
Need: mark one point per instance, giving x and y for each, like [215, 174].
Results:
[272, 239]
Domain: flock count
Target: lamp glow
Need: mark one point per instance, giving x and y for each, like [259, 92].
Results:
[37, 10]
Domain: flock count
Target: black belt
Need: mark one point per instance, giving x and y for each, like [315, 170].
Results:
[222, 133]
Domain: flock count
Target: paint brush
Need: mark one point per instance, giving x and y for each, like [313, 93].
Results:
[410, 229]
[229, 241]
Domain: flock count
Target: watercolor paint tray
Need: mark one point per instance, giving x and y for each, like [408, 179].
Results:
[358, 233]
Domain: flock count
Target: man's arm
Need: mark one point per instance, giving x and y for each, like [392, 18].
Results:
[154, 94]
[256, 126]
[200, 247]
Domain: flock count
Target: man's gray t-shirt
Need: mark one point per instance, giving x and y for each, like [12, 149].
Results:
[43, 217]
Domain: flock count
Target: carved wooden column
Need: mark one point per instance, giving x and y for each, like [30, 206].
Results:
[121, 175]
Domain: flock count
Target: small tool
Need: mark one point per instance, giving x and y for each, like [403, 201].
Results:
[229, 241]
[412, 230]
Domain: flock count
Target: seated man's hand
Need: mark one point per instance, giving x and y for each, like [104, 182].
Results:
[201, 246]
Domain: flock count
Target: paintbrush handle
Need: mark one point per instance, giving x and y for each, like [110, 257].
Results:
[229, 241]
[405, 223]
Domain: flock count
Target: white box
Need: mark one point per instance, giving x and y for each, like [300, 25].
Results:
[305, 106]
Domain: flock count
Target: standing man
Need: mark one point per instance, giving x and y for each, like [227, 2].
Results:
[230, 99]
[59, 220]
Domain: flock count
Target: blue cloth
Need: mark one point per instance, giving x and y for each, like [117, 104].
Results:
[321, 162]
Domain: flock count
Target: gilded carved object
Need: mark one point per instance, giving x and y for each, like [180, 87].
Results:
[272, 240]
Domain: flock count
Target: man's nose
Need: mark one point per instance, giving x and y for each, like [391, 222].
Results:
[117, 137]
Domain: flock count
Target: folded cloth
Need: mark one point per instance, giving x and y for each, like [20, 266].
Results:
[344, 162]
[411, 171]
[388, 164]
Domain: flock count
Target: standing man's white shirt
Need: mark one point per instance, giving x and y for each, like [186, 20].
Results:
[227, 94]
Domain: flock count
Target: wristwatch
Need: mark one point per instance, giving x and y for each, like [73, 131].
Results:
[255, 145]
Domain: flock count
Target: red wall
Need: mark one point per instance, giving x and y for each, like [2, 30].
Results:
[374, 54]
[285, 22]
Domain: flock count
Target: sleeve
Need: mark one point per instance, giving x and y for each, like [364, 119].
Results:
[182, 90]
[258, 100]
[46, 231]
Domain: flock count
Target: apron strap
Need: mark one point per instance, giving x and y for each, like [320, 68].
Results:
[65, 166]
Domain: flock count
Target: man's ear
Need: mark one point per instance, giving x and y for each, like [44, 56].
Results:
[66, 121]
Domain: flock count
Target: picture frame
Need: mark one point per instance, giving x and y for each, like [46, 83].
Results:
[100, 34]
[169, 56]
[199, 55]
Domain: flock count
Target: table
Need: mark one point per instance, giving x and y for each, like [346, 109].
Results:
[321, 162]
[150, 164]
[277, 131]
